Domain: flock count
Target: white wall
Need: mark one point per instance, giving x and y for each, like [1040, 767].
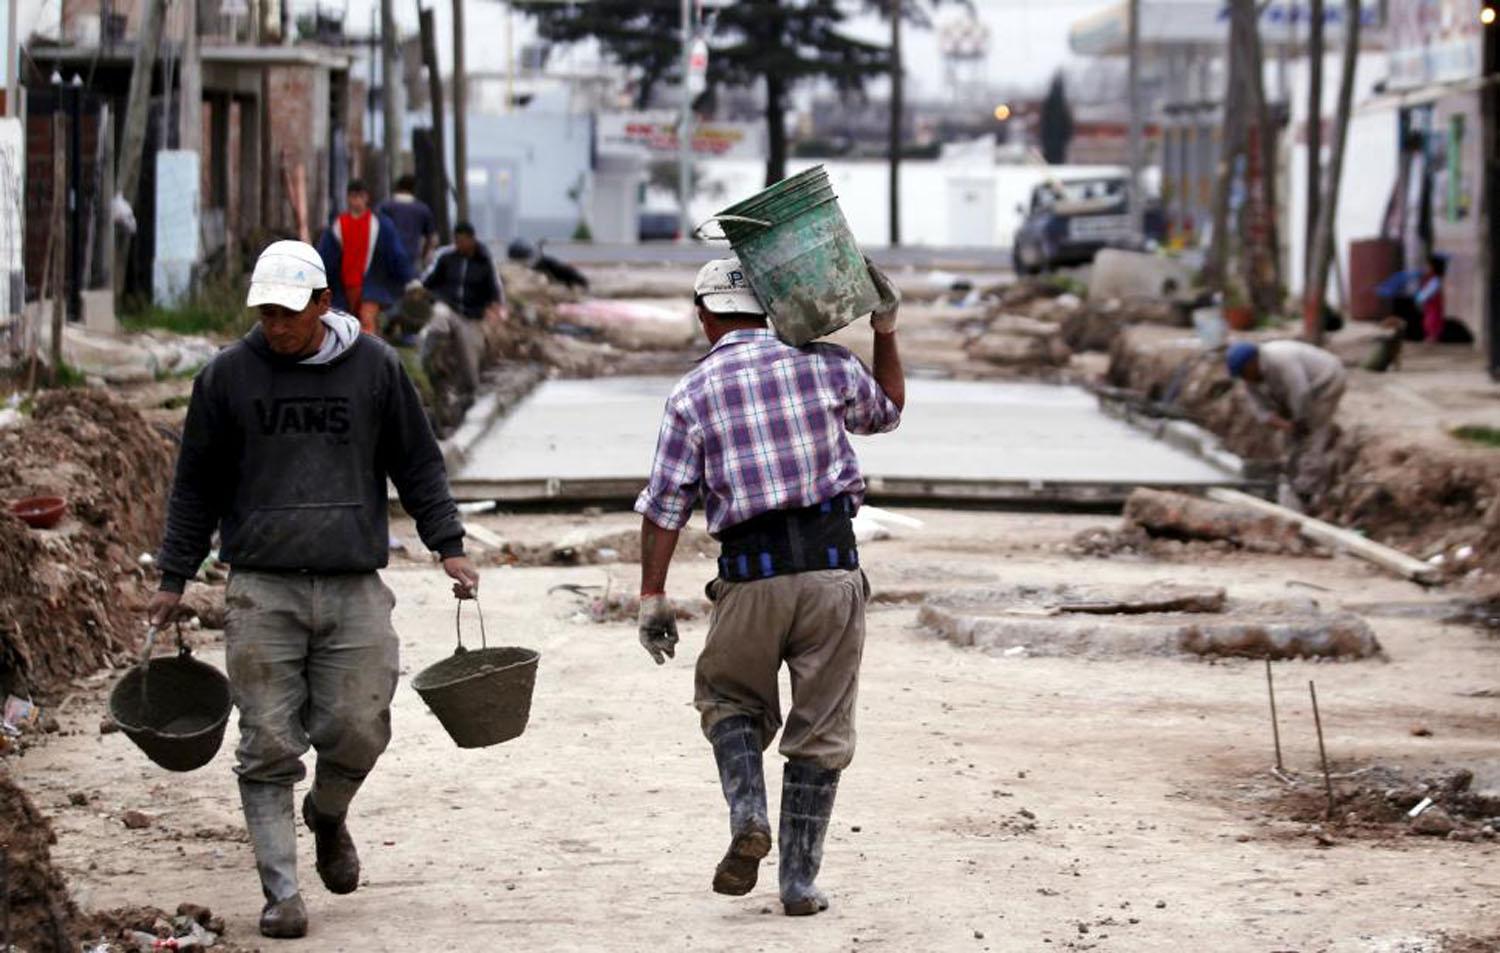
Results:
[1370, 161]
[863, 189]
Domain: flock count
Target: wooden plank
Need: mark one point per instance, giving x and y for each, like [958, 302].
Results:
[1336, 536]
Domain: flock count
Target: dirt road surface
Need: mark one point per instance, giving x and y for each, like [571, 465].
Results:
[995, 803]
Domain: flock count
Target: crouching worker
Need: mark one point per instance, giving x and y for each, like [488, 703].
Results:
[760, 431]
[290, 436]
[1294, 387]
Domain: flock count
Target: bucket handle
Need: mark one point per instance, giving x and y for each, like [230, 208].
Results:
[458, 629]
[153, 631]
[698, 232]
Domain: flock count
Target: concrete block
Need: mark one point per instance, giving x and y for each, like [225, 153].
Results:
[99, 312]
[1129, 274]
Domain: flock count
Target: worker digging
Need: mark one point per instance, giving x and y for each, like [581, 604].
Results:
[759, 431]
[290, 437]
[1296, 388]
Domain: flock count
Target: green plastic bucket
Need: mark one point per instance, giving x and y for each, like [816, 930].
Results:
[800, 257]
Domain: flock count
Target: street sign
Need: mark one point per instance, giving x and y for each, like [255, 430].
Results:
[698, 67]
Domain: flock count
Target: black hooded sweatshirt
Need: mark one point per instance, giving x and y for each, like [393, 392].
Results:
[289, 461]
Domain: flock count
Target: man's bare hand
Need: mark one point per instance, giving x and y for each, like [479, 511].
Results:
[1282, 424]
[465, 577]
[163, 607]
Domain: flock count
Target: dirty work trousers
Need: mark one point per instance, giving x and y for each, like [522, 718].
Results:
[1309, 450]
[812, 621]
[465, 337]
[312, 662]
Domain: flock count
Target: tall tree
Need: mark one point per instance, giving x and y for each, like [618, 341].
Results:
[1056, 122]
[1323, 248]
[777, 43]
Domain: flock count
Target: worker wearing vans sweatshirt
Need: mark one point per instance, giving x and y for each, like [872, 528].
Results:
[759, 431]
[291, 435]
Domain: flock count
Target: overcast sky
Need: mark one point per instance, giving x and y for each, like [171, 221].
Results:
[1028, 38]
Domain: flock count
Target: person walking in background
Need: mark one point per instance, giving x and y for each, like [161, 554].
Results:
[363, 256]
[467, 287]
[759, 430]
[414, 222]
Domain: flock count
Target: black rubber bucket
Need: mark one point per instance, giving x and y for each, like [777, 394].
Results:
[481, 696]
[175, 709]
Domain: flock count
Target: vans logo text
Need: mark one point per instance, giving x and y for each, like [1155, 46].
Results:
[303, 415]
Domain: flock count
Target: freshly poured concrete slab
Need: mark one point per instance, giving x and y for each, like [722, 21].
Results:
[593, 439]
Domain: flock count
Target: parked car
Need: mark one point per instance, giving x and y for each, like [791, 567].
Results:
[659, 226]
[1067, 223]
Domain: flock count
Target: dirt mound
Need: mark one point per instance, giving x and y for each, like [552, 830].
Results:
[1379, 800]
[1417, 495]
[42, 915]
[66, 603]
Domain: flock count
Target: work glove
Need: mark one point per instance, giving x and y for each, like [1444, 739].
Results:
[883, 318]
[658, 627]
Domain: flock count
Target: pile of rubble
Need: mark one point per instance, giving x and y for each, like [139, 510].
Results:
[1380, 800]
[70, 596]
[1039, 324]
[1162, 523]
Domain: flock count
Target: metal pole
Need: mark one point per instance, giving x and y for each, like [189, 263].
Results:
[1275, 727]
[73, 96]
[427, 24]
[1134, 43]
[1322, 751]
[898, 107]
[390, 114]
[460, 115]
[685, 128]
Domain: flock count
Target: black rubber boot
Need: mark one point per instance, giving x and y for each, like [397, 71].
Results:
[338, 861]
[807, 793]
[284, 919]
[737, 750]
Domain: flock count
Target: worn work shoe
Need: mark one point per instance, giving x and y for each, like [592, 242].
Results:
[737, 750]
[807, 793]
[338, 861]
[284, 919]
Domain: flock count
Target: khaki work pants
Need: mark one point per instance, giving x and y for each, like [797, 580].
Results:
[466, 339]
[812, 621]
[312, 661]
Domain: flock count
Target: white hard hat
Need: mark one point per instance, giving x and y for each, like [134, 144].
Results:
[286, 273]
[725, 290]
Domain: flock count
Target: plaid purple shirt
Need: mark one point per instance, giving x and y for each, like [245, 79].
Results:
[758, 426]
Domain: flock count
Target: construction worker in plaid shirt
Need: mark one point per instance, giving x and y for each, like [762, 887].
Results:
[759, 430]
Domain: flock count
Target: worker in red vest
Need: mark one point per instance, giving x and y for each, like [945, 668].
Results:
[363, 254]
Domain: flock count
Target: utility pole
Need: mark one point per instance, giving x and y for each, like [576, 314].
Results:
[460, 115]
[1324, 250]
[390, 114]
[1314, 131]
[190, 112]
[685, 128]
[427, 25]
[60, 253]
[1134, 83]
[137, 112]
[898, 107]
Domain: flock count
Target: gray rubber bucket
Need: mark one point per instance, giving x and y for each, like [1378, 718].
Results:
[481, 696]
[175, 709]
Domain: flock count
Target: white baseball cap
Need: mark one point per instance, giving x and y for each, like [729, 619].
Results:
[286, 273]
[725, 290]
